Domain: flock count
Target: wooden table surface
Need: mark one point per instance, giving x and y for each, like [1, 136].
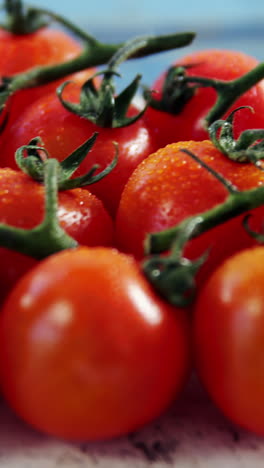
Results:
[192, 434]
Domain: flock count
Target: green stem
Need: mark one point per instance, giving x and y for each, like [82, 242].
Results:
[92, 55]
[98, 54]
[178, 244]
[236, 203]
[228, 91]
[48, 237]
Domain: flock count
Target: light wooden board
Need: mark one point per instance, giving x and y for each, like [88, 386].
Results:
[192, 434]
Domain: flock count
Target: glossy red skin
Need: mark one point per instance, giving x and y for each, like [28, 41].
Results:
[229, 338]
[103, 353]
[169, 186]
[62, 131]
[80, 213]
[189, 123]
[46, 46]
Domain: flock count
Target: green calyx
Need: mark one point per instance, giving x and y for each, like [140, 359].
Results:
[173, 275]
[176, 92]
[33, 164]
[100, 105]
[22, 20]
[173, 280]
[249, 146]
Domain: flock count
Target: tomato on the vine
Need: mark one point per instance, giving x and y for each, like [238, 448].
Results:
[102, 351]
[80, 213]
[229, 338]
[170, 186]
[188, 123]
[62, 131]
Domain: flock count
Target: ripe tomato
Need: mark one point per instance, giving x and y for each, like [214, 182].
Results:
[102, 351]
[229, 338]
[46, 46]
[187, 125]
[169, 186]
[80, 213]
[70, 131]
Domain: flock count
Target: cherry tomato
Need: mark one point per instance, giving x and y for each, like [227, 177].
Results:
[46, 46]
[80, 213]
[102, 351]
[169, 186]
[229, 338]
[188, 124]
[70, 131]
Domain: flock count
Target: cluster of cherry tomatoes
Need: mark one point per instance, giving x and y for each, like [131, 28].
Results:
[88, 348]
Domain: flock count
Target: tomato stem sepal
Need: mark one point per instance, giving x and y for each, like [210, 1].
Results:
[100, 104]
[173, 275]
[173, 280]
[21, 20]
[48, 237]
[175, 94]
[248, 147]
[32, 163]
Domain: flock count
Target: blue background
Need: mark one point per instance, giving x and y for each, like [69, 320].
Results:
[231, 24]
[149, 12]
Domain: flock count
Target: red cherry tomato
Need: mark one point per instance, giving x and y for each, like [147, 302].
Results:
[169, 186]
[229, 338]
[70, 131]
[103, 353]
[188, 124]
[80, 213]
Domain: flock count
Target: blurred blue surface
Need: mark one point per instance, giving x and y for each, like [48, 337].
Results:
[230, 24]
[149, 12]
